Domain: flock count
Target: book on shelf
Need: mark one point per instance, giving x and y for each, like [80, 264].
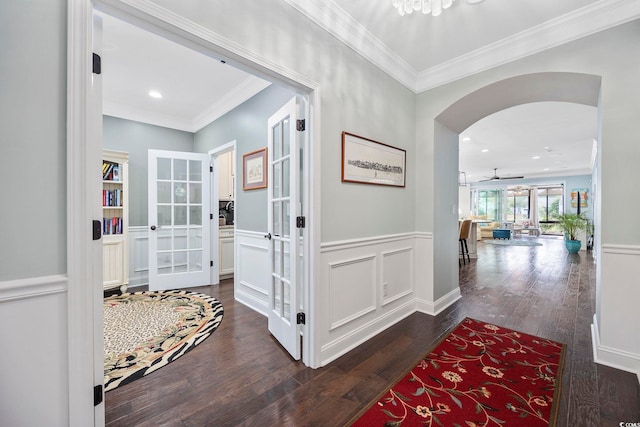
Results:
[110, 171]
[113, 225]
[112, 198]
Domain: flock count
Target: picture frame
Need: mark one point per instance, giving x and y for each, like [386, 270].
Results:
[254, 170]
[366, 161]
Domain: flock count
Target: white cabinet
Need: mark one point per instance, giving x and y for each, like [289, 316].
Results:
[115, 219]
[226, 251]
[226, 175]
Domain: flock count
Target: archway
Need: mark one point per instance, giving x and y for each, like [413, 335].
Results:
[538, 87]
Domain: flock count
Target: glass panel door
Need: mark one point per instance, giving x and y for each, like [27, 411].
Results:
[178, 223]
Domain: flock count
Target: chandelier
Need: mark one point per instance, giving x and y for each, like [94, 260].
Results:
[434, 7]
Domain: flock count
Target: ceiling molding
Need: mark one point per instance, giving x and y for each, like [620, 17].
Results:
[248, 88]
[583, 22]
[333, 19]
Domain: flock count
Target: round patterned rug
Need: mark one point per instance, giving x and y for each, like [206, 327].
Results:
[145, 331]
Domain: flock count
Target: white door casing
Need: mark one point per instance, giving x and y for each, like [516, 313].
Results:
[179, 224]
[283, 207]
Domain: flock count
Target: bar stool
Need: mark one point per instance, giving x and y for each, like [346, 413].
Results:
[463, 235]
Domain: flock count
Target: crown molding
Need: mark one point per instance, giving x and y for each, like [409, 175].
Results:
[333, 19]
[248, 88]
[582, 22]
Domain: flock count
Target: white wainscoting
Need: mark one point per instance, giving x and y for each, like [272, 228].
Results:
[34, 363]
[138, 256]
[367, 285]
[615, 337]
[252, 270]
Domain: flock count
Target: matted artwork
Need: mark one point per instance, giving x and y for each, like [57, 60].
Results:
[254, 170]
[366, 161]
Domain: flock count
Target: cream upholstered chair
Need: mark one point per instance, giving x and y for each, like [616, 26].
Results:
[463, 235]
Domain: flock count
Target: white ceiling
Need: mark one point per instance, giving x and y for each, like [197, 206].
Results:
[420, 51]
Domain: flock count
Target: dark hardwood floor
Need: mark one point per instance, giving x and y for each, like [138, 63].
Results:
[241, 376]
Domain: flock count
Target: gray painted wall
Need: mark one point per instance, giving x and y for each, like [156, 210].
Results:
[33, 138]
[137, 138]
[247, 124]
[356, 97]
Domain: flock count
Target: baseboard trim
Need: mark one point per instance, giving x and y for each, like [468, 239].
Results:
[435, 308]
[364, 333]
[248, 300]
[611, 357]
[33, 287]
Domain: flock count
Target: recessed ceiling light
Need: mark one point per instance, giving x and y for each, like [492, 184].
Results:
[535, 157]
[466, 139]
[486, 150]
[545, 169]
[155, 94]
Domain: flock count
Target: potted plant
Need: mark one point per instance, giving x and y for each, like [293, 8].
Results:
[571, 224]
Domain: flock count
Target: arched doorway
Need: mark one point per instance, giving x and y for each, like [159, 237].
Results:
[538, 87]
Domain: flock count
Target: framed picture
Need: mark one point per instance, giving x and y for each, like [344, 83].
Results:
[254, 170]
[367, 161]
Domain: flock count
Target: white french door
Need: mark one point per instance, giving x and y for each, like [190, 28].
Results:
[179, 224]
[283, 184]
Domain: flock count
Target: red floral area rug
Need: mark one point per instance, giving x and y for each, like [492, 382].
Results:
[478, 375]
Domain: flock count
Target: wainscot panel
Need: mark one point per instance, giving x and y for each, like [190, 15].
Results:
[366, 285]
[138, 256]
[616, 342]
[252, 270]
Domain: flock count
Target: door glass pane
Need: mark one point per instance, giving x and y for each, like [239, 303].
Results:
[180, 215]
[164, 262]
[195, 238]
[195, 193]
[179, 238]
[179, 169]
[286, 164]
[285, 260]
[179, 192]
[164, 215]
[277, 141]
[277, 259]
[164, 239]
[277, 224]
[164, 192]
[195, 260]
[195, 215]
[277, 294]
[286, 219]
[276, 181]
[285, 137]
[195, 170]
[286, 298]
[164, 168]
[180, 262]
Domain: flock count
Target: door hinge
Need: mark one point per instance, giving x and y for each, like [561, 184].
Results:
[210, 216]
[301, 222]
[97, 64]
[301, 318]
[300, 125]
[211, 264]
[97, 395]
[96, 228]
[210, 168]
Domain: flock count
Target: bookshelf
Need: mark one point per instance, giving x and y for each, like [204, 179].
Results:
[115, 219]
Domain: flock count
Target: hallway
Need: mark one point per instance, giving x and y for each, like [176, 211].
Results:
[241, 376]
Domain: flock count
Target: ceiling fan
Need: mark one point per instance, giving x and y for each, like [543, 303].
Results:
[495, 176]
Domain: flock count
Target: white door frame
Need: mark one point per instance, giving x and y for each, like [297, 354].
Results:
[83, 147]
[215, 231]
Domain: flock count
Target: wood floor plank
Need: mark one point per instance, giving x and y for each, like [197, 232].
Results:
[240, 376]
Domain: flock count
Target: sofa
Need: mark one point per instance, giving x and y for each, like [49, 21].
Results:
[485, 228]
